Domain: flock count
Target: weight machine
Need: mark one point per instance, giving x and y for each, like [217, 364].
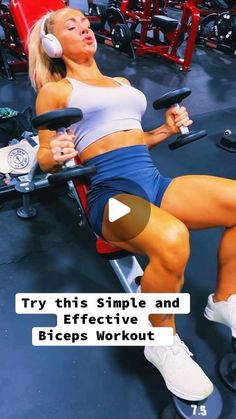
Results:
[141, 27]
[218, 30]
[206, 7]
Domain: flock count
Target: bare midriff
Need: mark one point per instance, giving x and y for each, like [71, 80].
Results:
[112, 142]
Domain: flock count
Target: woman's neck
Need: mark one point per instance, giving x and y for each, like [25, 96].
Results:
[84, 72]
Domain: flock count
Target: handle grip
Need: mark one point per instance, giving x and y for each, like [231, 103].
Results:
[184, 130]
[71, 162]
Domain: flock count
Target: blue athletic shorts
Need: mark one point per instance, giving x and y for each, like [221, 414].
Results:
[124, 170]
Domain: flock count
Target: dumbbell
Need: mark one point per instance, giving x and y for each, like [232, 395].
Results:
[173, 99]
[59, 121]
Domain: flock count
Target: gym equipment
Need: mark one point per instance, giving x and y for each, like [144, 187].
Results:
[12, 55]
[210, 407]
[18, 162]
[25, 187]
[125, 265]
[97, 15]
[227, 368]
[132, 21]
[173, 99]
[228, 141]
[50, 120]
[218, 31]
[206, 7]
[16, 21]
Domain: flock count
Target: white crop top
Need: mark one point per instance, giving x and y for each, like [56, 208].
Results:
[105, 110]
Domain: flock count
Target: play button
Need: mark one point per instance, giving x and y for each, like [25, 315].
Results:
[116, 210]
[127, 213]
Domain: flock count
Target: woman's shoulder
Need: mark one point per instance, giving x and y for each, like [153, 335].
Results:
[55, 88]
[53, 95]
[122, 80]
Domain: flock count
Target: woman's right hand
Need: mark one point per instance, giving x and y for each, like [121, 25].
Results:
[63, 147]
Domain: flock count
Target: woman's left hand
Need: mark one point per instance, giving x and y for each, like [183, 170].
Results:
[176, 117]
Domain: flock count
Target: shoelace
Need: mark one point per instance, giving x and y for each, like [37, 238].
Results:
[177, 347]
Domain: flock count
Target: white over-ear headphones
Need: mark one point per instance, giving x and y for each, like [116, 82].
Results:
[50, 43]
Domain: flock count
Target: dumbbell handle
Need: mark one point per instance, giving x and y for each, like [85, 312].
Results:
[184, 130]
[71, 162]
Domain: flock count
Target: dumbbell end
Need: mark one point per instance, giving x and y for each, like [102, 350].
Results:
[187, 138]
[56, 119]
[171, 98]
[69, 173]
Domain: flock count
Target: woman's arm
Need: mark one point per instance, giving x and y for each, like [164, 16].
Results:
[175, 118]
[50, 158]
[157, 135]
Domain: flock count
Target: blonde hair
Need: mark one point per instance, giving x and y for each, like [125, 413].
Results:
[43, 69]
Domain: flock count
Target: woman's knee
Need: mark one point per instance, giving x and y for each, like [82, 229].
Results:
[172, 249]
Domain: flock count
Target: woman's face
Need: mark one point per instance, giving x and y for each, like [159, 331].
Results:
[73, 31]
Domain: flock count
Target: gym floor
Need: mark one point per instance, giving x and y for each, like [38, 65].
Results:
[51, 253]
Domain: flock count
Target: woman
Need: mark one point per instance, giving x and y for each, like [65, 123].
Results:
[111, 137]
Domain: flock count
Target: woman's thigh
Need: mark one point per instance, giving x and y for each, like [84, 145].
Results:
[201, 201]
[160, 230]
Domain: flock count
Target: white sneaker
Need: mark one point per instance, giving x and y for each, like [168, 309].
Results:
[182, 375]
[222, 312]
